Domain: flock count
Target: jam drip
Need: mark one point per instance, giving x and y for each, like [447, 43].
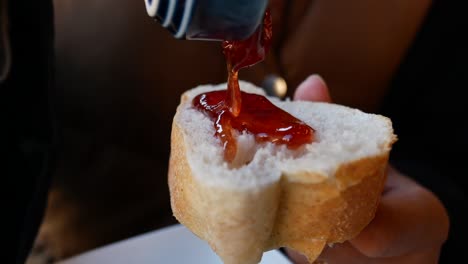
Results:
[250, 112]
[259, 117]
[245, 53]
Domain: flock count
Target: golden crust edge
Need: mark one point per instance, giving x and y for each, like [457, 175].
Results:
[306, 216]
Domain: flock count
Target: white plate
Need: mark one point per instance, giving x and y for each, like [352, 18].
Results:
[174, 244]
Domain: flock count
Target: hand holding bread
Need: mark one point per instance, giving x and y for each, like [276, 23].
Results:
[410, 224]
[270, 197]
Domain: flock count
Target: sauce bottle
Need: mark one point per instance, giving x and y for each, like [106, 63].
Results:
[208, 19]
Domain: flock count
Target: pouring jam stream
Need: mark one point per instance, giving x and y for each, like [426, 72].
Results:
[236, 110]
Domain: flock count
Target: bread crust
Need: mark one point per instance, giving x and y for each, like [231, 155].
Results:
[333, 211]
[240, 225]
[236, 224]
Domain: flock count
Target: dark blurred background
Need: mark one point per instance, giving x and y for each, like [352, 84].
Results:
[119, 76]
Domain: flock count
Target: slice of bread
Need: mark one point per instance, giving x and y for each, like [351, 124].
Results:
[271, 196]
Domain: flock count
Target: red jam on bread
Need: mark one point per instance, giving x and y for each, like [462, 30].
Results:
[243, 111]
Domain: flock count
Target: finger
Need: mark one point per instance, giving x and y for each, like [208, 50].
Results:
[338, 253]
[342, 253]
[313, 88]
[346, 253]
[296, 257]
[409, 218]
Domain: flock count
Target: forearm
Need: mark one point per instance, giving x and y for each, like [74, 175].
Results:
[355, 45]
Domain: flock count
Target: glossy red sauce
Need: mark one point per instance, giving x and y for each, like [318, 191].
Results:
[250, 112]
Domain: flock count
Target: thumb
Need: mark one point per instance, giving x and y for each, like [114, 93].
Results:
[313, 88]
[410, 218]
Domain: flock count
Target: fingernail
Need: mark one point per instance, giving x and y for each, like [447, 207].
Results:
[317, 78]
